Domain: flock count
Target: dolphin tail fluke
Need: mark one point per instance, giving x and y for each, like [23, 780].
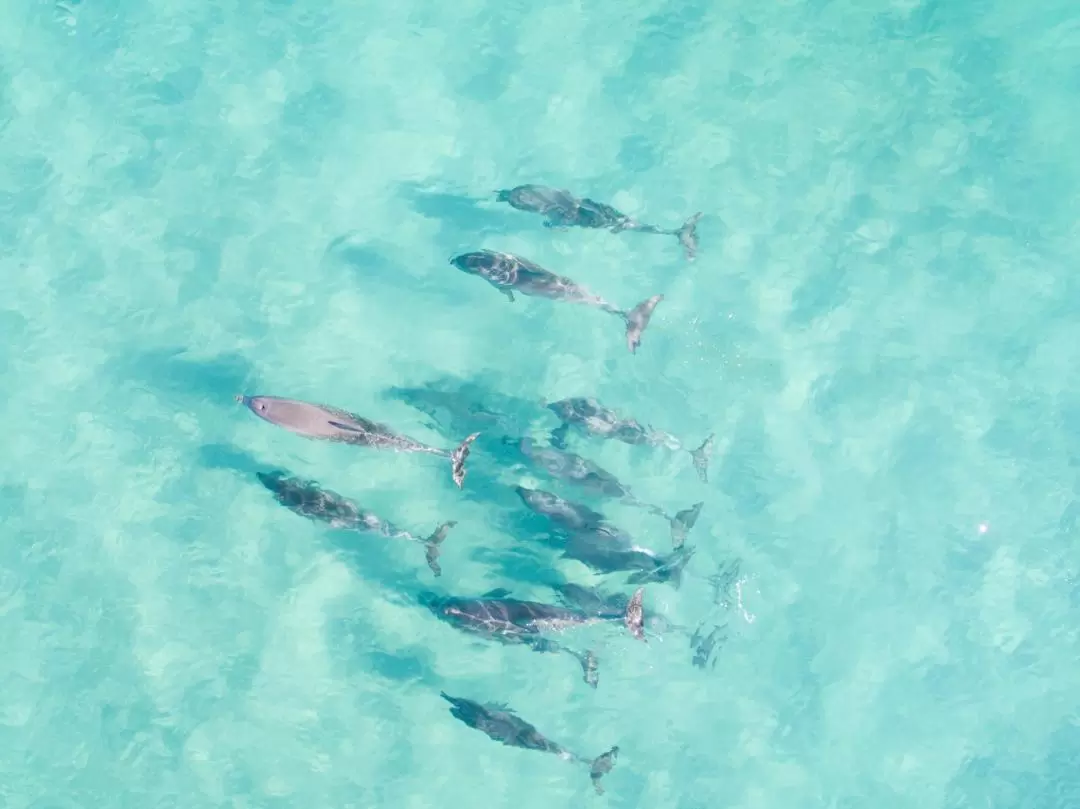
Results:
[688, 237]
[701, 457]
[457, 459]
[432, 544]
[558, 436]
[601, 766]
[634, 616]
[677, 564]
[682, 523]
[590, 666]
[637, 320]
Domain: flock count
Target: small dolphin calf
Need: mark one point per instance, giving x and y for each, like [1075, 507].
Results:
[332, 424]
[593, 418]
[507, 273]
[306, 498]
[563, 209]
[500, 723]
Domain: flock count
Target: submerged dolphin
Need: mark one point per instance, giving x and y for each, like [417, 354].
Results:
[607, 549]
[308, 499]
[598, 481]
[507, 273]
[500, 723]
[333, 424]
[593, 418]
[497, 616]
[563, 209]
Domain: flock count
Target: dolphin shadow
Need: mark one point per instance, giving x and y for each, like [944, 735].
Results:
[464, 217]
[455, 404]
[410, 665]
[171, 371]
[230, 458]
[371, 259]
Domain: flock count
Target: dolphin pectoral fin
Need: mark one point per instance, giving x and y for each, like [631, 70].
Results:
[498, 592]
[701, 457]
[457, 459]
[509, 293]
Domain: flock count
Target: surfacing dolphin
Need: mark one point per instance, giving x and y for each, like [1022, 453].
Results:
[593, 418]
[308, 499]
[326, 423]
[507, 273]
[563, 210]
[596, 480]
[500, 723]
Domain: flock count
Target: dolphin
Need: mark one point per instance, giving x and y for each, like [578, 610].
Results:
[592, 418]
[507, 273]
[500, 723]
[308, 499]
[327, 423]
[563, 210]
[497, 616]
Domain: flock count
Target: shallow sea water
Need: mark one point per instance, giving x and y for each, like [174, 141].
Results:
[200, 200]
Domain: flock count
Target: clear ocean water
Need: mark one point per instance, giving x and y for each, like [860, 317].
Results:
[199, 200]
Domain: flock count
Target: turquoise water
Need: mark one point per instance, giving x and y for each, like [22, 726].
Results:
[200, 200]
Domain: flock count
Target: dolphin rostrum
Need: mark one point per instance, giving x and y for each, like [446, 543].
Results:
[326, 423]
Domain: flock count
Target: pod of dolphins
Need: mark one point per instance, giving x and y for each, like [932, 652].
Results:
[586, 535]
